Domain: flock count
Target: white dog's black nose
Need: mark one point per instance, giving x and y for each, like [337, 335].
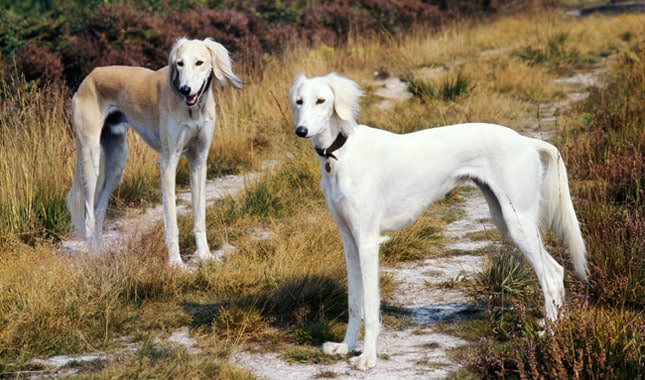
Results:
[184, 90]
[301, 131]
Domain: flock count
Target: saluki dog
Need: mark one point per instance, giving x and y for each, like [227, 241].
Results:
[376, 181]
[172, 109]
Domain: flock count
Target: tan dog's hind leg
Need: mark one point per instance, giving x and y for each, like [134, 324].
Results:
[115, 153]
[87, 120]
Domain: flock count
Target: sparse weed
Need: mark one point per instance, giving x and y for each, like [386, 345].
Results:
[449, 89]
[554, 55]
[506, 275]
[305, 354]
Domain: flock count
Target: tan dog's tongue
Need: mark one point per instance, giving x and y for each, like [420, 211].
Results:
[191, 100]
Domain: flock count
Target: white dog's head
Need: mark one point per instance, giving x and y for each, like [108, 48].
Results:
[317, 102]
[193, 62]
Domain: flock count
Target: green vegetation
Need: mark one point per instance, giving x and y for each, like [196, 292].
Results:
[287, 293]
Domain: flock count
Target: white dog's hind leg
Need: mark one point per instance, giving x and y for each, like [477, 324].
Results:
[526, 236]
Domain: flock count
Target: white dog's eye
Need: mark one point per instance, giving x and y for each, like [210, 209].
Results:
[299, 102]
[199, 63]
[180, 63]
[320, 101]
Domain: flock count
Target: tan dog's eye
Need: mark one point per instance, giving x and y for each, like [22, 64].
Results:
[320, 101]
[199, 63]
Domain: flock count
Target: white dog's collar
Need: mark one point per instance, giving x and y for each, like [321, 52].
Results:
[337, 144]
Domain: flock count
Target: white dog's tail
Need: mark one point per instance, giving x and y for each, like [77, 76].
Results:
[556, 208]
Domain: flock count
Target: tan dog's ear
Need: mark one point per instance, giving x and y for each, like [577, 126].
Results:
[172, 57]
[222, 65]
[347, 94]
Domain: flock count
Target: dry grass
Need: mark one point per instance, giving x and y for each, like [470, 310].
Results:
[289, 289]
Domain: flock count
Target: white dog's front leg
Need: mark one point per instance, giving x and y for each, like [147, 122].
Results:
[197, 163]
[168, 166]
[354, 300]
[368, 255]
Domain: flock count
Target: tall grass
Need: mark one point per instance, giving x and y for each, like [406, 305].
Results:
[34, 134]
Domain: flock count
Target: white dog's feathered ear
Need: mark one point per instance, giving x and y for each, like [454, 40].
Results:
[347, 94]
[294, 89]
[222, 65]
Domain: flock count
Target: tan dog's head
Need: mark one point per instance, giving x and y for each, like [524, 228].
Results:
[192, 62]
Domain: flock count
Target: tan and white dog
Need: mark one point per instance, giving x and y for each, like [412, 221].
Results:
[172, 109]
[376, 181]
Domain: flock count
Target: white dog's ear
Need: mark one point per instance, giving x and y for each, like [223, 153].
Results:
[347, 94]
[294, 89]
[222, 65]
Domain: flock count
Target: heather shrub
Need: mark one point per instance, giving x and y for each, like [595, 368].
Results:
[38, 62]
[607, 157]
[82, 35]
[237, 31]
[110, 35]
[592, 343]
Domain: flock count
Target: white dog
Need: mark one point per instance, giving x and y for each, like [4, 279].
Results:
[173, 109]
[376, 181]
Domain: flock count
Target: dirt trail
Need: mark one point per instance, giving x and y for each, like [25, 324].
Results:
[416, 351]
[118, 231]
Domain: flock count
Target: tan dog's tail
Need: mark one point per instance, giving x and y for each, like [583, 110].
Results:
[76, 198]
[75, 202]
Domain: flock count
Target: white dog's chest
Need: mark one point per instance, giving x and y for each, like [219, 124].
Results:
[330, 186]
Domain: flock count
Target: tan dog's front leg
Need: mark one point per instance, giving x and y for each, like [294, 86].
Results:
[197, 164]
[168, 166]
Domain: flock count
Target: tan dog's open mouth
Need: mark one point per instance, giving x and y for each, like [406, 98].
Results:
[191, 100]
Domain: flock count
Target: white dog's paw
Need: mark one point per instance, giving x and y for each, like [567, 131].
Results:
[332, 348]
[363, 361]
[178, 264]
